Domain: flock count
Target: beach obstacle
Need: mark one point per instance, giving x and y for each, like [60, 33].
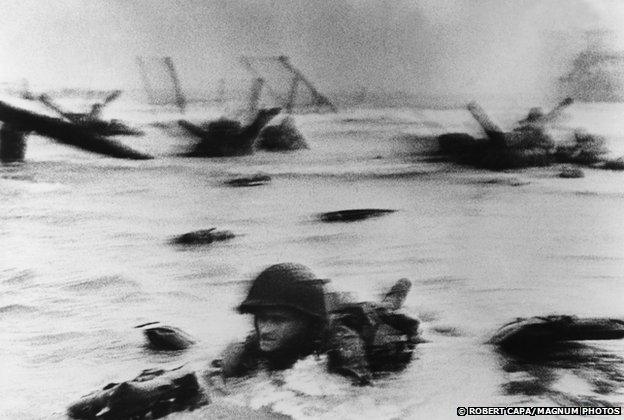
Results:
[614, 164]
[227, 137]
[283, 81]
[18, 122]
[12, 144]
[281, 136]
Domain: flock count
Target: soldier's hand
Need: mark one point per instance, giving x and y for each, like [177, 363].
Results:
[215, 380]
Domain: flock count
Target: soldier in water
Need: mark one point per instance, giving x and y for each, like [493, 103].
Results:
[291, 322]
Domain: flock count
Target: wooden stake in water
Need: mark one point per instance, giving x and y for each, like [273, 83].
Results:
[320, 99]
[292, 95]
[180, 99]
[146, 83]
[254, 98]
[12, 144]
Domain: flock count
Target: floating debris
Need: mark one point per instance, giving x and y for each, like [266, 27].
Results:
[448, 331]
[249, 181]
[153, 394]
[352, 215]
[571, 172]
[204, 236]
[512, 182]
[164, 337]
[542, 331]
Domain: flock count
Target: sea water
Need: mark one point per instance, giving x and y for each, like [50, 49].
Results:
[86, 256]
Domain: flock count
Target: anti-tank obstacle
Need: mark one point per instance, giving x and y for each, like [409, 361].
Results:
[18, 122]
[267, 66]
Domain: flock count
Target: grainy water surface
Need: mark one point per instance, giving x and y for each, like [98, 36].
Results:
[85, 256]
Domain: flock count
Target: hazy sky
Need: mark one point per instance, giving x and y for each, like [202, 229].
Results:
[429, 46]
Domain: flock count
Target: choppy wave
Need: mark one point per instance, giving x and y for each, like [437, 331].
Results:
[105, 282]
[54, 338]
[115, 217]
[307, 391]
[17, 309]
[20, 277]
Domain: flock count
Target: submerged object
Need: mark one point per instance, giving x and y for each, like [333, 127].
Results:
[283, 136]
[353, 215]
[531, 333]
[204, 236]
[65, 132]
[509, 181]
[585, 149]
[12, 143]
[484, 153]
[614, 164]
[249, 181]
[227, 137]
[153, 394]
[526, 145]
[164, 337]
[571, 172]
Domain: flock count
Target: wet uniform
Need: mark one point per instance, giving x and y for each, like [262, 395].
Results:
[360, 339]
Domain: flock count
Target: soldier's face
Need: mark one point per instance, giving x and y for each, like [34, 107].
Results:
[279, 329]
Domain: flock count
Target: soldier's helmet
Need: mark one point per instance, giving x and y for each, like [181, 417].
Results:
[287, 285]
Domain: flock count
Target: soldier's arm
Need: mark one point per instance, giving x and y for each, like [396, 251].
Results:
[347, 354]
